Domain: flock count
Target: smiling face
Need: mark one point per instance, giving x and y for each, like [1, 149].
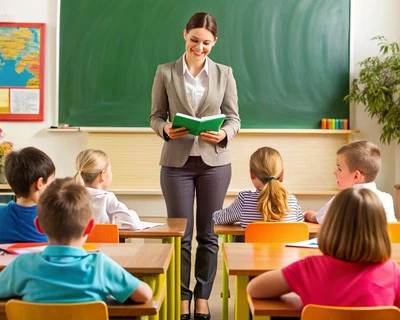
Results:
[199, 42]
[344, 177]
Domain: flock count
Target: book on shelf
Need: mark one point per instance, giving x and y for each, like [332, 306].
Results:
[311, 243]
[195, 126]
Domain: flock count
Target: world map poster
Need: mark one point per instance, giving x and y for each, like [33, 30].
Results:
[21, 71]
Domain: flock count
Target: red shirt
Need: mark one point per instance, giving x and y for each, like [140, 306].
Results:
[329, 281]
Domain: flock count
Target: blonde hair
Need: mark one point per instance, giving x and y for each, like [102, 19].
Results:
[363, 156]
[355, 228]
[89, 163]
[266, 164]
[64, 210]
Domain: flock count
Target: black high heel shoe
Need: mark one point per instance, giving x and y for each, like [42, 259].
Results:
[186, 316]
[201, 316]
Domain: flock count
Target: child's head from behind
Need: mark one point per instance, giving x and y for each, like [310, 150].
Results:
[92, 165]
[27, 166]
[357, 162]
[355, 228]
[64, 210]
[266, 171]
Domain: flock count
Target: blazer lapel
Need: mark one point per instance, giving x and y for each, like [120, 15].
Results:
[179, 84]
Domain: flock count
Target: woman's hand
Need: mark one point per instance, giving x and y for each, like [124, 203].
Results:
[213, 136]
[175, 133]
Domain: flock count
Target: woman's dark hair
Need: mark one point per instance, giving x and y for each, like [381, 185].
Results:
[203, 20]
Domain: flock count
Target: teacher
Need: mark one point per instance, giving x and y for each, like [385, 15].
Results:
[195, 168]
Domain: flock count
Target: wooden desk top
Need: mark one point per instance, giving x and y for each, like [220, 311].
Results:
[172, 227]
[139, 259]
[255, 258]
[288, 305]
[252, 259]
[237, 230]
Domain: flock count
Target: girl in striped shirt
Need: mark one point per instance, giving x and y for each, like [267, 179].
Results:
[270, 201]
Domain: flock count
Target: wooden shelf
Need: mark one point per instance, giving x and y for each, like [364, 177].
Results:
[229, 193]
[242, 131]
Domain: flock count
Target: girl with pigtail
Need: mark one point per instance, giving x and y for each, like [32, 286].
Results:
[270, 201]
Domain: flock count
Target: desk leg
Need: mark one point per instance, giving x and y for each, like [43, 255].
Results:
[178, 278]
[225, 282]
[171, 282]
[241, 304]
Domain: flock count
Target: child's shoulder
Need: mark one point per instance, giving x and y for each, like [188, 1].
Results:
[249, 193]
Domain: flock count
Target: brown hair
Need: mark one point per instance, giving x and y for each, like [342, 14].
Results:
[363, 156]
[64, 210]
[203, 20]
[266, 164]
[24, 167]
[89, 163]
[355, 228]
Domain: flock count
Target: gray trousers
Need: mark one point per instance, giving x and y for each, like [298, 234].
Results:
[209, 185]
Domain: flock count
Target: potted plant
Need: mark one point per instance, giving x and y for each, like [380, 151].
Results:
[378, 88]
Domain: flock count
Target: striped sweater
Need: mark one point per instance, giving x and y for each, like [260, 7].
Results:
[244, 210]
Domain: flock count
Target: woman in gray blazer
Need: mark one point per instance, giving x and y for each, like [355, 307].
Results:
[195, 167]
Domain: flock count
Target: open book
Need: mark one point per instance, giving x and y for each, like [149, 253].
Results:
[196, 126]
[312, 243]
[138, 225]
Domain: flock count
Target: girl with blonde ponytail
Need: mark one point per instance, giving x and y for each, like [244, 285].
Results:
[270, 201]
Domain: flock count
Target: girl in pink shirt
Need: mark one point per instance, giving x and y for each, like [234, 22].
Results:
[355, 269]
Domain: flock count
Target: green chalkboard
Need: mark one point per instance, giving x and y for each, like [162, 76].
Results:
[290, 58]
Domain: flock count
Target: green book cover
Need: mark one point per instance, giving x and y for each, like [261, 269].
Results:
[195, 125]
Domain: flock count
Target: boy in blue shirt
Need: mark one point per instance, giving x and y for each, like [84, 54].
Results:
[28, 171]
[64, 271]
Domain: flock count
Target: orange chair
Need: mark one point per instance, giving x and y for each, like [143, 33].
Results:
[394, 231]
[104, 232]
[313, 311]
[278, 232]
[22, 310]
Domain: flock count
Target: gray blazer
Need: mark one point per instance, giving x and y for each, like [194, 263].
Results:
[169, 97]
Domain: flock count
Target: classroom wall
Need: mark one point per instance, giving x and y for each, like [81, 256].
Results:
[368, 18]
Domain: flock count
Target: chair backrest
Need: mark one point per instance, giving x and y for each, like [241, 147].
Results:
[313, 311]
[104, 232]
[22, 310]
[394, 231]
[278, 232]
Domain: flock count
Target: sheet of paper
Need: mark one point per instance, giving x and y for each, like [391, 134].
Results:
[140, 225]
[312, 243]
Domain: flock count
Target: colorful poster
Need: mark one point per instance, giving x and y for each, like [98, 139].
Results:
[22, 71]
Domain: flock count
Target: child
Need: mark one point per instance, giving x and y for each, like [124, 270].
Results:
[28, 171]
[356, 254]
[64, 271]
[270, 202]
[94, 171]
[357, 165]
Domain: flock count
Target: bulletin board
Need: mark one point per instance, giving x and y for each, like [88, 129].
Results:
[22, 71]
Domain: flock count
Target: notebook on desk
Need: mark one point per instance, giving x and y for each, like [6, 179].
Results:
[311, 243]
[139, 225]
[33, 247]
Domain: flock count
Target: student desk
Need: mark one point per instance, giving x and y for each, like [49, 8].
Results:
[149, 261]
[171, 231]
[226, 232]
[6, 191]
[288, 305]
[245, 260]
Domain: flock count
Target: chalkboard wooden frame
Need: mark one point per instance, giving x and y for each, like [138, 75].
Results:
[290, 58]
